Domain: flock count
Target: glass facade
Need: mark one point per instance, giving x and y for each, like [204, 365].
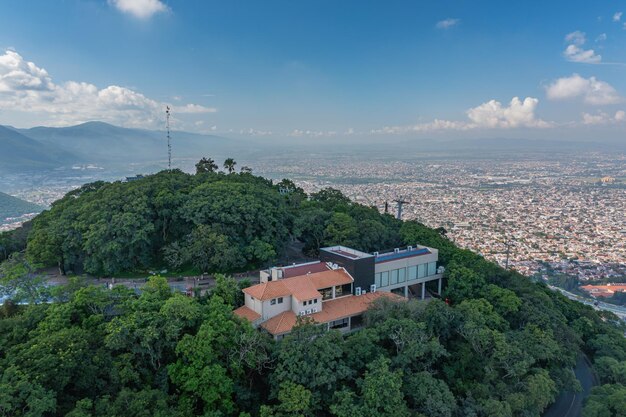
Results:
[339, 324]
[384, 279]
[398, 276]
[421, 271]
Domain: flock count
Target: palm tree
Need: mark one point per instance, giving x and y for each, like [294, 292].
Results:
[229, 165]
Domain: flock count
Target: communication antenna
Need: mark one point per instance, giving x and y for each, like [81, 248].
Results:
[400, 202]
[169, 140]
[508, 251]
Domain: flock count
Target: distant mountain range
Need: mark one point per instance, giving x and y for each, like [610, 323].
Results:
[14, 207]
[97, 142]
[39, 148]
[18, 151]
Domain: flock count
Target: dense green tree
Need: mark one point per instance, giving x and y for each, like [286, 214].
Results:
[380, 394]
[606, 401]
[206, 165]
[429, 395]
[313, 358]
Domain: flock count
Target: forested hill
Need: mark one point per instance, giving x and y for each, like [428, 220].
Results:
[504, 346]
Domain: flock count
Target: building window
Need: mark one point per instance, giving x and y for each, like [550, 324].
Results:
[339, 324]
[432, 268]
[412, 272]
[327, 293]
[280, 300]
[273, 301]
[384, 279]
[377, 280]
[315, 301]
[401, 275]
[394, 277]
[338, 291]
[421, 270]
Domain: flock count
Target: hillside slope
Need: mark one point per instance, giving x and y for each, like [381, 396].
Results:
[499, 346]
[14, 207]
[20, 152]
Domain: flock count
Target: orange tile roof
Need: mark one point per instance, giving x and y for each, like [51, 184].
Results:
[332, 310]
[280, 323]
[330, 278]
[303, 287]
[268, 290]
[604, 290]
[351, 305]
[247, 313]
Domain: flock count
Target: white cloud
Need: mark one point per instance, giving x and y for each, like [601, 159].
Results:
[447, 23]
[591, 90]
[141, 9]
[518, 114]
[601, 37]
[577, 38]
[25, 87]
[489, 115]
[602, 118]
[617, 16]
[574, 52]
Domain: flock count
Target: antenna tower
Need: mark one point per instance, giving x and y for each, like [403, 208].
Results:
[169, 140]
[400, 202]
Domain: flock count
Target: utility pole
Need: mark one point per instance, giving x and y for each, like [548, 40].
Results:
[169, 140]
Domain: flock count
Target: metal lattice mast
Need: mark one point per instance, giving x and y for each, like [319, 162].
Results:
[400, 202]
[169, 140]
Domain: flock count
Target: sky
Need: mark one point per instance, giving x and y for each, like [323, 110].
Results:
[319, 68]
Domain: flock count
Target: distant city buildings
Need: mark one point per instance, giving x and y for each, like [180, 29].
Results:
[559, 216]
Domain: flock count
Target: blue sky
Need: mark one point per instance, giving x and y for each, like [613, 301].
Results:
[318, 68]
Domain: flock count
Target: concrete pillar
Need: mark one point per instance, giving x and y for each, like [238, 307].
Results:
[334, 292]
[423, 290]
[406, 291]
[349, 323]
[440, 281]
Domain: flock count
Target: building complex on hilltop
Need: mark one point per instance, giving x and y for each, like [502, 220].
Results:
[336, 290]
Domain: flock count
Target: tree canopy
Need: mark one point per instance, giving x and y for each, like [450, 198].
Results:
[500, 346]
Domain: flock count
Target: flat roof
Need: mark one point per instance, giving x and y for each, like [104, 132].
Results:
[405, 253]
[303, 269]
[347, 252]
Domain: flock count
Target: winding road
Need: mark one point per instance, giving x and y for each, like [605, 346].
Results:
[570, 404]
